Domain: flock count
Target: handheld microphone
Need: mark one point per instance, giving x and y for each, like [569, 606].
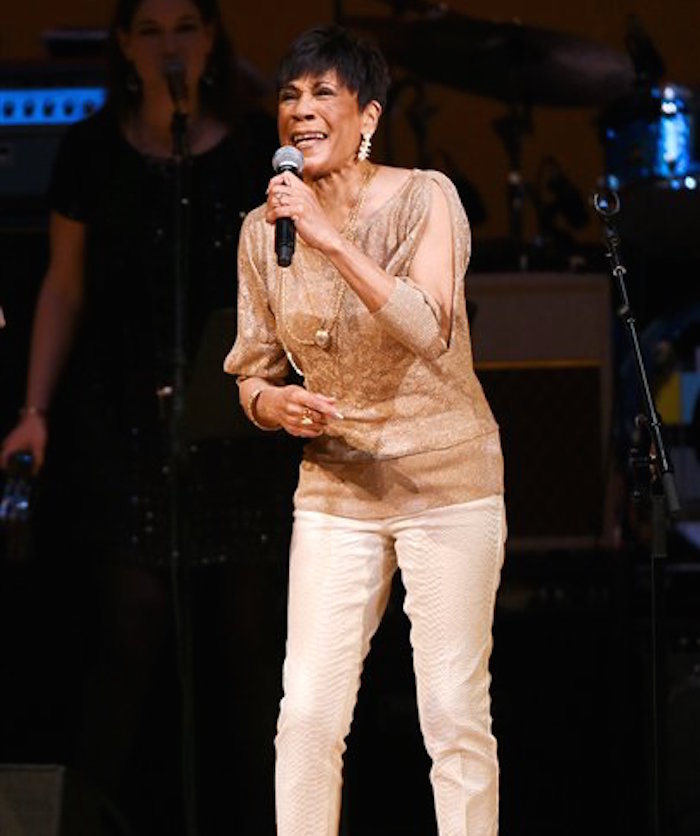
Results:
[176, 77]
[286, 158]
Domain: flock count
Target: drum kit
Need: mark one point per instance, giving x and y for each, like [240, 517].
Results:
[649, 130]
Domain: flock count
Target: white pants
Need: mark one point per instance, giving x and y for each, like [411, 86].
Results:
[340, 579]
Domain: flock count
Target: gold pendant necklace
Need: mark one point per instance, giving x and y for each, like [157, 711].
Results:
[322, 335]
[322, 338]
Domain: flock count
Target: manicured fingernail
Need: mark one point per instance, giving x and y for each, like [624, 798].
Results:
[339, 415]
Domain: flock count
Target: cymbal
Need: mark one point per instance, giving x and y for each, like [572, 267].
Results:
[507, 61]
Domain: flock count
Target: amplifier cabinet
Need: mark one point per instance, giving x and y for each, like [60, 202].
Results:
[542, 350]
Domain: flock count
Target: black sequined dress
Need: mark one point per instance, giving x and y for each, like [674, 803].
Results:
[113, 436]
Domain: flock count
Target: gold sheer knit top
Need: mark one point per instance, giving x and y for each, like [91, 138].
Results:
[417, 431]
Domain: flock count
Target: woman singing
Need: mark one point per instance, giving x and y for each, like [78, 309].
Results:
[403, 465]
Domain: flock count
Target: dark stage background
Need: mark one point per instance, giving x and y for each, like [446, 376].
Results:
[573, 659]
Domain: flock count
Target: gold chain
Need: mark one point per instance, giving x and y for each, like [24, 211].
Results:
[349, 229]
[322, 335]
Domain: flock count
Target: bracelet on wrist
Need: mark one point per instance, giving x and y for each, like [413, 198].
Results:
[252, 403]
[32, 410]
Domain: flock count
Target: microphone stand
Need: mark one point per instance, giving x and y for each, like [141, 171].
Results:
[655, 464]
[511, 128]
[175, 395]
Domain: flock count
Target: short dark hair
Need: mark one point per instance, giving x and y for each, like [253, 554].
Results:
[360, 65]
[220, 92]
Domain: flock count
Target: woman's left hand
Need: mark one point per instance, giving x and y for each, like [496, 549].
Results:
[289, 197]
[296, 410]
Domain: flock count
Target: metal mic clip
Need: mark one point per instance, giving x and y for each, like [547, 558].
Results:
[606, 203]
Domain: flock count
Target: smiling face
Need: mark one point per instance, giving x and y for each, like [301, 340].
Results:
[162, 30]
[321, 117]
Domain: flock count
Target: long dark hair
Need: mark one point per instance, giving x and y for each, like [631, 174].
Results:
[219, 88]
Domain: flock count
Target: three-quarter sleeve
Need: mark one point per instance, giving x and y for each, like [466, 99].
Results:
[412, 317]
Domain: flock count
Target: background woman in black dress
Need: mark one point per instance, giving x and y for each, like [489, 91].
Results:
[103, 347]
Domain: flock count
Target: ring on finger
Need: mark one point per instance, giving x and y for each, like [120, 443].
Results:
[306, 418]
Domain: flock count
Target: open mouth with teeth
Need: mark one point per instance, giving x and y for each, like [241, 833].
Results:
[301, 140]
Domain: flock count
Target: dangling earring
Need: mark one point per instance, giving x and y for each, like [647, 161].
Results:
[132, 81]
[363, 151]
[208, 78]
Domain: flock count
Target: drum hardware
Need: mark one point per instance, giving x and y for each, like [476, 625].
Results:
[507, 61]
[651, 142]
[511, 128]
[521, 66]
[554, 196]
[652, 136]
[418, 113]
[468, 193]
[649, 66]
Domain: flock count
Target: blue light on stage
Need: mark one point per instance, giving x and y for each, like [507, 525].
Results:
[49, 106]
[674, 151]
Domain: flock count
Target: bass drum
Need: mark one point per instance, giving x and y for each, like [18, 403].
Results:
[651, 145]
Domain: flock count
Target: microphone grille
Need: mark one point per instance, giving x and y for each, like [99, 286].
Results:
[173, 67]
[288, 157]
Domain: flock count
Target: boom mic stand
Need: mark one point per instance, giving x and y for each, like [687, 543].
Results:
[664, 497]
[175, 397]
